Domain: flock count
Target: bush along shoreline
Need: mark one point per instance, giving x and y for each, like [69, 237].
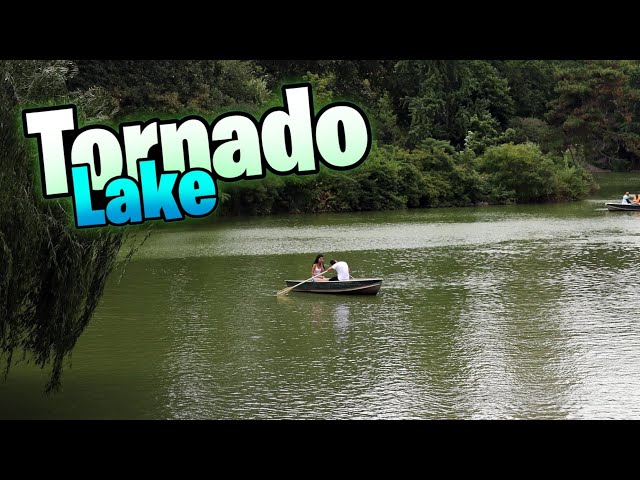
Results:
[433, 175]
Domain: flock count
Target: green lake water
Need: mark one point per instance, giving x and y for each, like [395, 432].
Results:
[525, 311]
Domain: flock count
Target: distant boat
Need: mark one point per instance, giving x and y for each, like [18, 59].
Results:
[623, 207]
[355, 286]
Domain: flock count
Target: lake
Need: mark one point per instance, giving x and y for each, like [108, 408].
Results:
[523, 311]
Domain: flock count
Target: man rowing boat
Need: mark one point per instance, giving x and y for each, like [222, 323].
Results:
[341, 268]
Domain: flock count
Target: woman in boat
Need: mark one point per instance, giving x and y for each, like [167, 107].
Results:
[317, 268]
[636, 199]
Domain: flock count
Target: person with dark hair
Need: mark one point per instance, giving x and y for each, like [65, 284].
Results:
[341, 268]
[318, 268]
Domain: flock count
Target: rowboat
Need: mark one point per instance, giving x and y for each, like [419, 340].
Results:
[355, 286]
[623, 207]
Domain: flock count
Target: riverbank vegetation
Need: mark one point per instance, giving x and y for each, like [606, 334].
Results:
[446, 132]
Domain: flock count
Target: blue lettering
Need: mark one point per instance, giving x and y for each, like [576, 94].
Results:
[125, 206]
[157, 196]
[197, 191]
[85, 215]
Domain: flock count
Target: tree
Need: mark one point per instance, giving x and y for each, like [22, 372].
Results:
[484, 132]
[535, 130]
[442, 96]
[531, 84]
[51, 276]
[364, 81]
[518, 172]
[596, 108]
[171, 86]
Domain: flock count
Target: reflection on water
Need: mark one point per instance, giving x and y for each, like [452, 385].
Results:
[341, 315]
[506, 312]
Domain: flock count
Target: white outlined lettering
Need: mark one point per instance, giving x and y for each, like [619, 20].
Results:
[116, 170]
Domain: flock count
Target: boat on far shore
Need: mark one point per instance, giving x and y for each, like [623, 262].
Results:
[623, 207]
[355, 286]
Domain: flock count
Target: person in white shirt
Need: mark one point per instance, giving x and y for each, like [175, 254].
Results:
[625, 198]
[341, 268]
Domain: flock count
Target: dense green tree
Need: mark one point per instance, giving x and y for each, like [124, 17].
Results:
[523, 173]
[520, 171]
[51, 275]
[484, 131]
[170, 86]
[361, 80]
[531, 84]
[596, 108]
[441, 97]
[535, 130]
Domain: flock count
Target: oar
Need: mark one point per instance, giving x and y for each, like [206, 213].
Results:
[288, 289]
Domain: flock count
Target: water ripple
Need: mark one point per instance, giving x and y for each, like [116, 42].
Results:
[484, 313]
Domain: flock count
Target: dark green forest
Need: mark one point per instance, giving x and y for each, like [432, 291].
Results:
[446, 133]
